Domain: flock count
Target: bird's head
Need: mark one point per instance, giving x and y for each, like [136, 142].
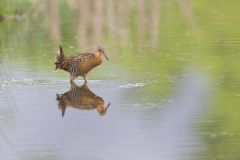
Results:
[101, 109]
[99, 51]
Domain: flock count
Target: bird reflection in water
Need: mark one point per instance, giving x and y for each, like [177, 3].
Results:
[81, 97]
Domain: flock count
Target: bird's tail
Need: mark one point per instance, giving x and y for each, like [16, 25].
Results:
[59, 58]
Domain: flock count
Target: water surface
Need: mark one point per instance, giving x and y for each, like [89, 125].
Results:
[172, 82]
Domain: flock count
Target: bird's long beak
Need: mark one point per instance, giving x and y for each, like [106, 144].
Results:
[107, 106]
[105, 56]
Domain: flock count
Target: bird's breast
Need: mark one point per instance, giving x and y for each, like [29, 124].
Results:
[89, 64]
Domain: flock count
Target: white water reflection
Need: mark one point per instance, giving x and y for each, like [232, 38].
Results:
[126, 132]
[81, 97]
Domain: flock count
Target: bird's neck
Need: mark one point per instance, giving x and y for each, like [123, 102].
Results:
[98, 57]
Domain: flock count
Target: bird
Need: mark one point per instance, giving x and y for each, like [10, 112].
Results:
[81, 97]
[79, 64]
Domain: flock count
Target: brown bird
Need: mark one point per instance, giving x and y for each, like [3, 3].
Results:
[79, 64]
[81, 98]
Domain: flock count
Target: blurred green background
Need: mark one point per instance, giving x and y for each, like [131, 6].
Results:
[145, 40]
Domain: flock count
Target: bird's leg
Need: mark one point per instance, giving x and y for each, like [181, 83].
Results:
[85, 85]
[72, 78]
[84, 77]
[73, 84]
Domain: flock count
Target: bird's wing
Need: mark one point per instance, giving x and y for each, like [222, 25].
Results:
[68, 62]
[75, 61]
[86, 55]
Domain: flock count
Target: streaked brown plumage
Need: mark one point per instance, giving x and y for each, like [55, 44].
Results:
[81, 98]
[79, 64]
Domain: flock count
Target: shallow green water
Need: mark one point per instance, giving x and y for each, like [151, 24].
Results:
[172, 80]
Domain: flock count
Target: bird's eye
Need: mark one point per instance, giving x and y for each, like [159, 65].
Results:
[99, 50]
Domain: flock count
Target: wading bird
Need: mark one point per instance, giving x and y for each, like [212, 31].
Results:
[81, 98]
[79, 64]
